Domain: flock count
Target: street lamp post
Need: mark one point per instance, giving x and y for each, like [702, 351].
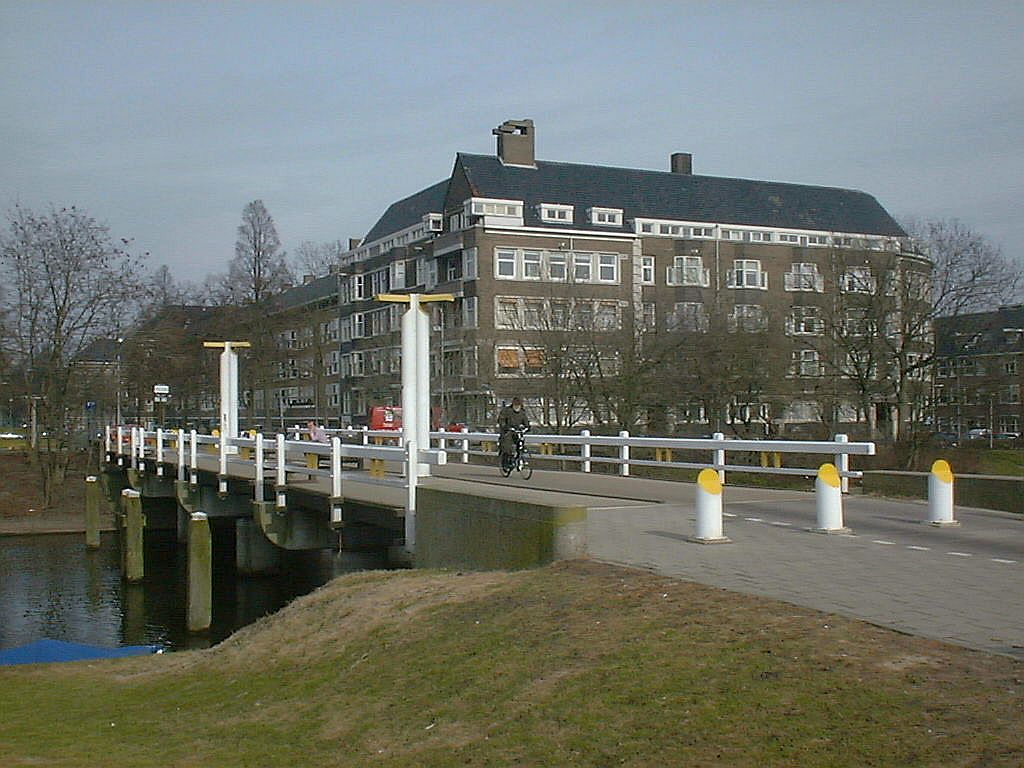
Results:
[120, 341]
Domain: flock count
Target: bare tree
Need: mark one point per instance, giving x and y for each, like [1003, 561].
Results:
[317, 258]
[68, 283]
[259, 268]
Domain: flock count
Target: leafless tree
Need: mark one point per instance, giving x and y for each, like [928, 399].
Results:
[259, 268]
[68, 282]
[316, 259]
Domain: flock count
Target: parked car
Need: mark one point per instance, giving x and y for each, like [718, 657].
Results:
[979, 433]
[946, 439]
[1006, 436]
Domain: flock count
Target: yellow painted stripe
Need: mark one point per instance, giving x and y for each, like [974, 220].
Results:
[943, 471]
[708, 480]
[828, 473]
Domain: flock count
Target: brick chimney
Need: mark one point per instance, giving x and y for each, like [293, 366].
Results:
[682, 162]
[515, 142]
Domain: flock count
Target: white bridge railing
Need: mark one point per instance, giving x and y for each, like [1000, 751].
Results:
[385, 445]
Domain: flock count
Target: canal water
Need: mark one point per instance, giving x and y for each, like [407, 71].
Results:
[51, 586]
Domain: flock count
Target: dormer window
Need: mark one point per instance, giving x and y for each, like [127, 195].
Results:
[555, 213]
[608, 217]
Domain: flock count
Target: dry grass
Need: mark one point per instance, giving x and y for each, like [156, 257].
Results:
[577, 664]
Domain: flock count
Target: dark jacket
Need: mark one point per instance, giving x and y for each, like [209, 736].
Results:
[508, 420]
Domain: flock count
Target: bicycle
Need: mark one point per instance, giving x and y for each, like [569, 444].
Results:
[520, 460]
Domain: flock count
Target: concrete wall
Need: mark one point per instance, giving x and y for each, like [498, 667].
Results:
[504, 530]
[983, 491]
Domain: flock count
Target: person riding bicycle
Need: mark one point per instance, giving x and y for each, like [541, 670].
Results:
[511, 418]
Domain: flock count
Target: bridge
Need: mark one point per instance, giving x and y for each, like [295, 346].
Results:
[436, 499]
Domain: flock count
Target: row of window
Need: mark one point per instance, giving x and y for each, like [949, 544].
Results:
[537, 314]
[1007, 395]
[971, 366]
[555, 266]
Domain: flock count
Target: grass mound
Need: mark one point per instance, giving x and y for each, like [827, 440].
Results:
[576, 664]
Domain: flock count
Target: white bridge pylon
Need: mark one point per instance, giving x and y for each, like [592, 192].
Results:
[228, 385]
[416, 369]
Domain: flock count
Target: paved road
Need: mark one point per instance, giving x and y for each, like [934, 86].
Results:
[963, 585]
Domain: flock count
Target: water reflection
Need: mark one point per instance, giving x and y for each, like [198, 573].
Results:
[52, 586]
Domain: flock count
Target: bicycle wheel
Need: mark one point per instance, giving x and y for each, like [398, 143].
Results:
[506, 464]
[524, 465]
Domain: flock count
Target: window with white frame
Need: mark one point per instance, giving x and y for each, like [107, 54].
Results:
[786, 237]
[609, 217]
[556, 267]
[582, 266]
[560, 310]
[506, 361]
[1010, 367]
[647, 270]
[817, 240]
[533, 314]
[805, 363]
[469, 316]
[857, 322]
[803, 276]
[531, 265]
[484, 207]
[650, 316]
[857, 279]
[688, 270]
[689, 316]
[358, 287]
[469, 264]
[747, 317]
[607, 316]
[358, 325]
[760, 237]
[505, 264]
[506, 312]
[707, 232]
[746, 273]
[672, 230]
[607, 267]
[553, 212]
[732, 234]
[804, 321]
[533, 361]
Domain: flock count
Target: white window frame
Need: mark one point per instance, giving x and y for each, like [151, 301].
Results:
[532, 259]
[752, 276]
[555, 213]
[469, 266]
[804, 276]
[606, 261]
[469, 312]
[605, 217]
[505, 256]
[647, 270]
[582, 260]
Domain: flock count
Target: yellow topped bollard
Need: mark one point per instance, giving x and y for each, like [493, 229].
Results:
[828, 493]
[709, 509]
[940, 495]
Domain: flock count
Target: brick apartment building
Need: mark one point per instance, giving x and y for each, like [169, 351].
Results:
[569, 277]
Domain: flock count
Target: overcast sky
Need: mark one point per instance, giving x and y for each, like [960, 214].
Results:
[165, 119]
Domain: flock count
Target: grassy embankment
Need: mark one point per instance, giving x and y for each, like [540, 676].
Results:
[576, 664]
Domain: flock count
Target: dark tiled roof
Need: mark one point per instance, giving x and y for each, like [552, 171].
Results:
[664, 195]
[314, 290]
[409, 211]
[98, 351]
[979, 333]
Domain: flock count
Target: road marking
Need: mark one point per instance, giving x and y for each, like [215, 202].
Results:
[1001, 560]
[919, 549]
[960, 554]
[753, 519]
[883, 541]
[728, 514]
[778, 522]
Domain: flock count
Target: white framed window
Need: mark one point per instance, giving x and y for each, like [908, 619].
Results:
[582, 267]
[505, 263]
[469, 312]
[556, 267]
[747, 317]
[746, 273]
[787, 237]
[506, 312]
[607, 267]
[607, 316]
[609, 217]
[650, 316]
[857, 322]
[531, 265]
[817, 241]
[688, 316]
[732, 234]
[358, 287]
[672, 230]
[804, 321]
[495, 207]
[857, 280]
[805, 363]
[358, 325]
[647, 270]
[554, 212]
[803, 276]
[706, 232]
[469, 264]
[688, 270]
[760, 237]
[533, 314]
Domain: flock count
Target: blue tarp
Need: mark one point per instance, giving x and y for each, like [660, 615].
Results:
[46, 651]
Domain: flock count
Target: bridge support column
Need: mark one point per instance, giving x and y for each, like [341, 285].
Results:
[92, 512]
[254, 554]
[134, 522]
[200, 573]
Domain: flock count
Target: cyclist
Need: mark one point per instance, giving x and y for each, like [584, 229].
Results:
[511, 418]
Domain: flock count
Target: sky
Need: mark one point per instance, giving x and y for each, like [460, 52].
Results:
[164, 119]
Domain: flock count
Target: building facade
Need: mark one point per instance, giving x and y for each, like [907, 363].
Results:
[628, 298]
[979, 370]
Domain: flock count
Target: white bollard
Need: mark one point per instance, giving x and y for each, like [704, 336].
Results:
[828, 495]
[585, 450]
[718, 457]
[843, 464]
[709, 509]
[940, 495]
[624, 455]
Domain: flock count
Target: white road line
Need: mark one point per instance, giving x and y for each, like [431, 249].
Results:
[883, 541]
[1001, 560]
[753, 519]
[728, 514]
[779, 522]
[960, 554]
[919, 549]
